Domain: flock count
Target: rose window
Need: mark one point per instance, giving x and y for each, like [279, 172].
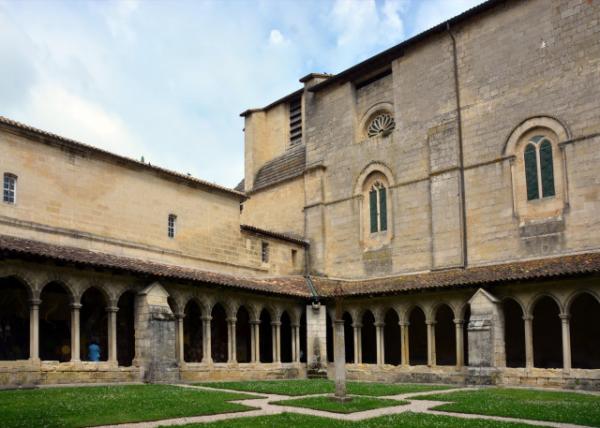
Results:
[382, 124]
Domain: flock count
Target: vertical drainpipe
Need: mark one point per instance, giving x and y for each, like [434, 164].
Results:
[463, 207]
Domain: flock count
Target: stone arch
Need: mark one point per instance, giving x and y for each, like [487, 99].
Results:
[193, 335]
[574, 295]
[392, 342]
[514, 332]
[547, 122]
[417, 336]
[65, 284]
[55, 321]
[23, 280]
[547, 332]
[219, 335]
[266, 336]
[445, 335]
[375, 109]
[285, 345]
[374, 167]
[93, 323]
[15, 295]
[368, 337]
[243, 333]
[537, 297]
[126, 327]
[108, 297]
[584, 325]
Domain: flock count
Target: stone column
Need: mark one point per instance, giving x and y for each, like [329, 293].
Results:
[276, 329]
[112, 333]
[255, 341]
[528, 320]
[231, 341]
[357, 343]
[339, 358]
[404, 347]
[296, 343]
[206, 340]
[460, 340]
[34, 329]
[566, 341]
[430, 343]
[180, 353]
[380, 343]
[75, 334]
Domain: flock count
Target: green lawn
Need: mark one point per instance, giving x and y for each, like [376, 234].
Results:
[87, 406]
[570, 407]
[357, 404]
[404, 420]
[323, 386]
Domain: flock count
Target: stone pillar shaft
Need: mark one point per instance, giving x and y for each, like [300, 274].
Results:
[231, 341]
[357, 344]
[206, 340]
[112, 333]
[528, 341]
[460, 340]
[339, 358]
[566, 341]
[276, 329]
[75, 334]
[296, 343]
[404, 347]
[379, 333]
[34, 329]
[255, 341]
[180, 340]
[431, 343]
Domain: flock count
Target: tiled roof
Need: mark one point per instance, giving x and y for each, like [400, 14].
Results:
[277, 235]
[48, 137]
[12, 246]
[547, 268]
[289, 165]
[240, 186]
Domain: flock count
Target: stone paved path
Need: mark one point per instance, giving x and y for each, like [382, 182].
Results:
[264, 408]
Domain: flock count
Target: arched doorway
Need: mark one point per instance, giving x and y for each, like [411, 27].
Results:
[192, 333]
[348, 338]
[445, 336]
[14, 320]
[369, 339]
[514, 333]
[417, 337]
[218, 334]
[585, 332]
[286, 338]
[391, 338]
[126, 329]
[55, 323]
[547, 334]
[242, 335]
[329, 337]
[266, 337]
[93, 323]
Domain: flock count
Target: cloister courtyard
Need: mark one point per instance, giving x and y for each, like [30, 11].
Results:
[296, 403]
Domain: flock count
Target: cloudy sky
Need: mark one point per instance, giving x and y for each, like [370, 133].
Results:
[167, 79]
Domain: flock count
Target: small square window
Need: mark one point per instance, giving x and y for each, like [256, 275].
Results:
[10, 188]
[294, 257]
[171, 225]
[264, 252]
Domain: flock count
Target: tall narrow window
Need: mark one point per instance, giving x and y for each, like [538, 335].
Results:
[539, 168]
[171, 225]
[264, 252]
[296, 122]
[10, 188]
[378, 208]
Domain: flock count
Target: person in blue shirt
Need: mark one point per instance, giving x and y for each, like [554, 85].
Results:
[94, 350]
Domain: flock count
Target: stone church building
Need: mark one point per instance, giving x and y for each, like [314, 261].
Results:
[442, 198]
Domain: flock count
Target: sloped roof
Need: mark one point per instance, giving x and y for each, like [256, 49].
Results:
[13, 246]
[295, 239]
[50, 138]
[289, 165]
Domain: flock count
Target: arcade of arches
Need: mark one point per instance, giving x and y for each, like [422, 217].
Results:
[56, 323]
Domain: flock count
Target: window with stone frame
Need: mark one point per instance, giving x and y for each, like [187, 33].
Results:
[9, 194]
[378, 208]
[171, 224]
[539, 168]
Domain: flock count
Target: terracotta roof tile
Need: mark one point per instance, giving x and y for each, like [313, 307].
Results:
[13, 246]
[552, 267]
[277, 235]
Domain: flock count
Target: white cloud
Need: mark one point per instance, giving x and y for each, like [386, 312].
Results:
[275, 37]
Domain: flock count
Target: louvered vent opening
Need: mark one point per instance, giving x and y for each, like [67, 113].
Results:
[296, 122]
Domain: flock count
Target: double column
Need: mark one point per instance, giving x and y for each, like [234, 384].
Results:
[460, 340]
[431, 360]
[180, 341]
[255, 341]
[296, 343]
[206, 340]
[112, 333]
[380, 344]
[276, 334]
[357, 342]
[404, 347]
[34, 329]
[231, 340]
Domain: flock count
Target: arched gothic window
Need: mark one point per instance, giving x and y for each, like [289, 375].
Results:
[378, 207]
[539, 168]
